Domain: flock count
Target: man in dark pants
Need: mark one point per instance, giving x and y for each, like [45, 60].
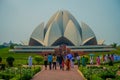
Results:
[50, 60]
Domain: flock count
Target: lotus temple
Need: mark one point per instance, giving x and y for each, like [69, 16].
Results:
[64, 30]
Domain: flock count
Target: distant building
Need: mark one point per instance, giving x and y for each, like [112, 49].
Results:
[7, 44]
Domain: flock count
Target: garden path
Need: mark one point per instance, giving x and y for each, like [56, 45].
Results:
[58, 74]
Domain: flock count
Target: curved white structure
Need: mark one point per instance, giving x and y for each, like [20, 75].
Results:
[62, 28]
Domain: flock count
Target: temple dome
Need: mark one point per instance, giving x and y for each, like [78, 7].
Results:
[62, 28]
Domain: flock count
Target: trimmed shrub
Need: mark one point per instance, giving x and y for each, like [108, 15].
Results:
[10, 61]
[38, 59]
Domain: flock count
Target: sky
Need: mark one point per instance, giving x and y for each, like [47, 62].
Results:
[18, 18]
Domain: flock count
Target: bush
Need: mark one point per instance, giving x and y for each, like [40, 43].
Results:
[6, 76]
[10, 61]
[2, 67]
[37, 70]
[17, 77]
[38, 59]
[26, 76]
[107, 74]
[86, 59]
[95, 77]
[26, 73]
[110, 63]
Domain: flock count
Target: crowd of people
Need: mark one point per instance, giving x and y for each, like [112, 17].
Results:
[57, 60]
[108, 58]
[67, 61]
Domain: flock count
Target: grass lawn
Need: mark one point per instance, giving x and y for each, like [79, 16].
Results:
[20, 58]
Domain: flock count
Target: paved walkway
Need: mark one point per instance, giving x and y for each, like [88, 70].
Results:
[58, 74]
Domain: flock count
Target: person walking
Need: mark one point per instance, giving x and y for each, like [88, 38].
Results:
[72, 62]
[54, 61]
[98, 60]
[68, 64]
[60, 61]
[91, 59]
[45, 61]
[103, 58]
[30, 61]
[78, 60]
[50, 61]
[63, 63]
[83, 61]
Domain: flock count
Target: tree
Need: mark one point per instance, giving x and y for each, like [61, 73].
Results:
[114, 45]
[11, 46]
[10, 61]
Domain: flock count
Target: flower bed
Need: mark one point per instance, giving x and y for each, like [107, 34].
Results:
[19, 73]
[100, 73]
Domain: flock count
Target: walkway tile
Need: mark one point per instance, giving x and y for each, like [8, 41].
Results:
[58, 75]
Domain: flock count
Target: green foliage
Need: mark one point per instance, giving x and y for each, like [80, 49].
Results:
[37, 70]
[2, 66]
[27, 74]
[38, 59]
[17, 77]
[117, 77]
[107, 74]
[114, 45]
[6, 76]
[19, 73]
[0, 59]
[110, 63]
[10, 61]
[20, 58]
[12, 46]
[86, 59]
[100, 73]
[96, 77]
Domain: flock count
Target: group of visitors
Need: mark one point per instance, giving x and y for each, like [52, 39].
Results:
[67, 61]
[57, 60]
[108, 58]
[81, 60]
[63, 60]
